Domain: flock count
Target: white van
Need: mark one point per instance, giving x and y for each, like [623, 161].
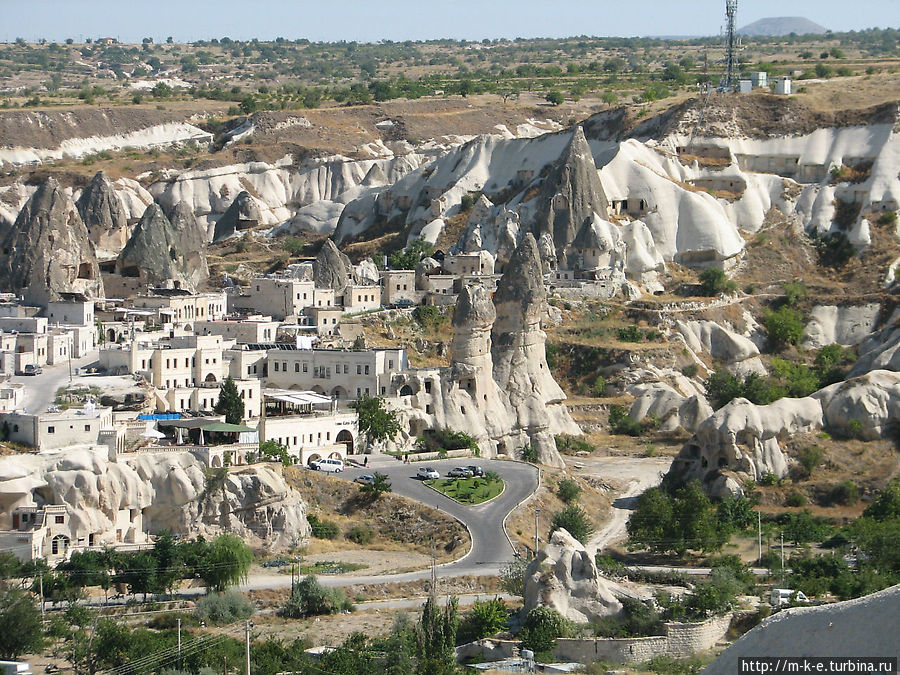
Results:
[779, 597]
[328, 465]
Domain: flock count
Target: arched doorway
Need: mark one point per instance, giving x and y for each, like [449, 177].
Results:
[111, 335]
[406, 390]
[338, 393]
[318, 390]
[210, 378]
[315, 457]
[216, 462]
[346, 438]
[59, 545]
[335, 455]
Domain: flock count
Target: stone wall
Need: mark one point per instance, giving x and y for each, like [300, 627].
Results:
[681, 640]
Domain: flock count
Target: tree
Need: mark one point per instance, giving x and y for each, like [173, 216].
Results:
[485, 619]
[373, 420]
[714, 281]
[555, 97]
[20, 624]
[411, 255]
[541, 628]
[568, 490]
[512, 577]
[230, 403]
[574, 520]
[436, 638]
[226, 563]
[377, 487]
[784, 326]
[274, 451]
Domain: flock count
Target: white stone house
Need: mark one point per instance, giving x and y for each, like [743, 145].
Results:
[55, 430]
[398, 285]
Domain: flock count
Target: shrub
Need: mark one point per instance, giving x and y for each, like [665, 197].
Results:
[360, 534]
[795, 498]
[845, 493]
[795, 292]
[293, 245]
[690, 370]
[550, 355]
[568, 490]
[598, 389]
[555, 97]
[310, 598]
[714, 281]
[622, 423]
[784, 326]
[512, 577]
[428, 316]
[322, 529]
[222, 608]
[570, 445]
[889, 218]
[542, 627]
[574, 520]
[834, 249]
[485, 619]
[768, 479]
[529, 453]
[811, 458]
[630, 334]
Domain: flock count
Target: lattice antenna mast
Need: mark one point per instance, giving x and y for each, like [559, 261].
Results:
[731, 58]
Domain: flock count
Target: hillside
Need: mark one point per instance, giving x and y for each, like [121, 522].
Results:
[780, 26]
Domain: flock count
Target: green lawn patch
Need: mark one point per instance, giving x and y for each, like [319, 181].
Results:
[468, 490]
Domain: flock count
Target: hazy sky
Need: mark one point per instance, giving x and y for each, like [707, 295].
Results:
[187, 20]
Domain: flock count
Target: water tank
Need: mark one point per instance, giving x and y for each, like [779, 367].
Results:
[528, 654]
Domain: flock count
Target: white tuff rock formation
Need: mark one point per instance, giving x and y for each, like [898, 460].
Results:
[564, 577]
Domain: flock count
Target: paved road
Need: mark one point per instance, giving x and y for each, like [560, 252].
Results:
[40, 390]
[490, 550]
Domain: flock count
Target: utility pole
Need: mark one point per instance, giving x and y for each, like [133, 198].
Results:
[537, 513]
[759, 521]
[782, 558]
[179, 644]
[247, 645]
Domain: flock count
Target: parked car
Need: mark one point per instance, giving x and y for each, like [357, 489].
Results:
[365, 479]
[32, 369]
[459, 472]
[328, 465]
[403, 302]
[779, 597]
[427, 473]
[476, 470]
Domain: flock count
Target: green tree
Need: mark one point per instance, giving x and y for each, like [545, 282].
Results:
[230, 403]
[272, 450]
[411, 255]
[714, 281]
[377, 487]
[436, 638]
[512, 577]
[20, 624]
[574, 520]
[568, 490]
[374, 421]
[485, 619]
[541, 628]
[226, 563]
[555, 97]
[887, 504]
[784, 326]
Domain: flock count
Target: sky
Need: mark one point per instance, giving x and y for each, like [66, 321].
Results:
[370, 21]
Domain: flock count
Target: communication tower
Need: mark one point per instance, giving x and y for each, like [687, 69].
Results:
[731, 56]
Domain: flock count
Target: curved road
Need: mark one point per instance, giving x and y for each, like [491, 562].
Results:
[490, 547]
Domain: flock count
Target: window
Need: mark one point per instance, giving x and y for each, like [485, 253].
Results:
[391, 364]
[358, 369]
[87, 427]
[284, 366]
[187, 363]
[51, 430]
[382, 391]
[305, 367]
[296, 366]
[367, 370]
[346, 369]
[168, 363]
[276, 366]
[59, 520]
[428, 386]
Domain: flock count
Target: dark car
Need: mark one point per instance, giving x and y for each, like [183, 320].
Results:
[32, 369]
[476, 470]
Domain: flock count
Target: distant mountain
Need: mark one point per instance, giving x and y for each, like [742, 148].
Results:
[776, 26]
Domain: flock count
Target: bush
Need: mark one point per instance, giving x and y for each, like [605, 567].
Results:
[568, 490]
[714, 281]
[622, 423]
[485, 619]
[222, 608]
[427, 316]
[542, 627]
[322, 529]
[690, 370]
[555, 97]
[811, 458]
[795, 292]
[569, 445]
[293, 245]
[598, 389]
[630, 334]
[845, 493]
[637, 620]
[889, 218]
[574, 520]
[768, 479]
[360, 534]
[310, 598]
[784, 326]
[512, 577]
[795, 498]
